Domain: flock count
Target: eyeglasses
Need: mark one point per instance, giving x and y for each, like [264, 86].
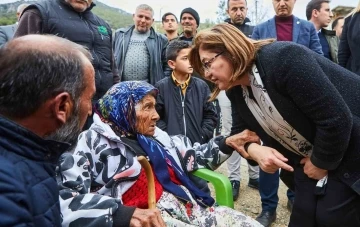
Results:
[207, 64]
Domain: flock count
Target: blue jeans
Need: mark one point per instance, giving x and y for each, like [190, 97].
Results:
[268, 188]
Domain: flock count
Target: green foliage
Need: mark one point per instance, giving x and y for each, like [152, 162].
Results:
[116, 18]
[221, 11]
[7, 18]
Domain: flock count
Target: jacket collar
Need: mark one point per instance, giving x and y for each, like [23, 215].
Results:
[130, 29]
[27, 144]
[228, 20]
[328, 32]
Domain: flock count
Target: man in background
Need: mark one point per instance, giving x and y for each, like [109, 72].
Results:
[190, 21]
[170, 25]
[7, 32]
[237, 11]
[139, 50]
[47, 84]
[338, 25]
[74, 20]
[318, 12]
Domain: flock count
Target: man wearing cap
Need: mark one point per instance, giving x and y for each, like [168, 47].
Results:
[190, 21]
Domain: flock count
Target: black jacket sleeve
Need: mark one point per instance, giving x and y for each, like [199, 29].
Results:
[160, 107]
[210, 116]
[344, 50]
[30, 23]
[312, 92]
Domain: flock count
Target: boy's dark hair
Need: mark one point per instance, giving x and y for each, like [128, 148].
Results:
[314, 4]
[174, 48]
[167, 14]
[335, 22]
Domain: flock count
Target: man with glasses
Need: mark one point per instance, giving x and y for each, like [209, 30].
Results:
[237, 11]
[284, 26]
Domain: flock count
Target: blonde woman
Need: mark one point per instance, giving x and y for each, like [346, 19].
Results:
[349, 48]
[304, 108]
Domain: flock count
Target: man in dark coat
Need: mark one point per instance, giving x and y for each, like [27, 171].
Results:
[237, 11]
[74, 20]
[46, 88]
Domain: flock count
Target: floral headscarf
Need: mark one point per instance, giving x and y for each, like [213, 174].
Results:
[117, 106]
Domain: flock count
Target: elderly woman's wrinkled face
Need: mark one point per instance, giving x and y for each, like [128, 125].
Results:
[146, 116]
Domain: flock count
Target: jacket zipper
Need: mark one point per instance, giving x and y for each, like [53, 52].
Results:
[183, 109]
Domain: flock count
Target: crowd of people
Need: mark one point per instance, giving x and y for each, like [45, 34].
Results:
[79, 104]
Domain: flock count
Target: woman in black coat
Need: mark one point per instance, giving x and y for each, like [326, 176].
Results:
[304, 108]
[349, 48]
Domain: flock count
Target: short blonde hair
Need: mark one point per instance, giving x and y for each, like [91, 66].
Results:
[235, 47]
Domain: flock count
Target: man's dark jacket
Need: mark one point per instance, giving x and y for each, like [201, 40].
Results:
[349, 48]
[87, 29]
[333, 42]
[245, 28]
[320, 100]
[29, 192]
[156, 45]
[198, 114]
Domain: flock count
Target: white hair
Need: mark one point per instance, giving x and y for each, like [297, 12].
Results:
[21, 7]
[145, 7]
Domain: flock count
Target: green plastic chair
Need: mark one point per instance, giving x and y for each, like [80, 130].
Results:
[222, 185]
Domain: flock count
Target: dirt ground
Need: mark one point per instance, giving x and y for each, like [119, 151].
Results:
[249, 199]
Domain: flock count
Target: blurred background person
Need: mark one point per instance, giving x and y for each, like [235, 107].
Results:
[318, 12]
[7, 32]
[337, 25]
[237, 11]
[170, 25]
[349, 48]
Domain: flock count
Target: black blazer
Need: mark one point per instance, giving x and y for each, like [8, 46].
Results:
[317, 97]
[349, 48]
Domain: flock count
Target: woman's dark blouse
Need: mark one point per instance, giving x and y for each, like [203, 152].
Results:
[318, 98]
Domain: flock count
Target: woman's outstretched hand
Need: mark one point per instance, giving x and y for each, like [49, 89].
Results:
[238, 141]
[312, 171]
[269, 159]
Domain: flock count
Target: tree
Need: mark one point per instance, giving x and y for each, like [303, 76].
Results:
[221, 12]
[257, 11]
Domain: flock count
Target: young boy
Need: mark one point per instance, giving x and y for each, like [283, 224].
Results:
[182, 102]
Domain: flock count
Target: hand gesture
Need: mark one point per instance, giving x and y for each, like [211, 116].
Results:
[269, 160]
[312, 171]
[238, 141]
[147, 218]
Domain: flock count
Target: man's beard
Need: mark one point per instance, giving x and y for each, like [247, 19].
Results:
[68, 132]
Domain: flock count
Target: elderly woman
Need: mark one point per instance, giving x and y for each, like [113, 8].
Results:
[106, 164]
[304, 108]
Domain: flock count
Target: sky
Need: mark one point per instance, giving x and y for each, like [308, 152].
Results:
[206, 8]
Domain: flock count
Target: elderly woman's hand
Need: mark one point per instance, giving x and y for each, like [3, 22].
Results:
[269, 159]
[147, 218]
[238, 141]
